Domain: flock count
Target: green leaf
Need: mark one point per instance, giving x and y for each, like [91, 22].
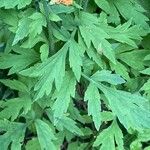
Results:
[134, 59]
[22, 3]
[47, 73]
[91, 52]
[15, 85]
[136, 145]
[129, 108]
[75, 58]
[93, 33]
[146, 5]
[114, 16]
[38, 21]
[19, 61]
[146, 71]
[95, 56]
[92, 95]
[61, 33]
[69, 124]
[22, 31]
[128, 9]
[89, 19]
[10, 18]
[146, 86]
[145, 42]
[106, 48]
[12, 3]
[136, 12]
[90, 34]
[44, 50]
[147, 148]
[126, 33]
[13, 108]
[33, 144]
[63, 96]
[106, 76]
[14, 134]
[144, 136]
[107, 116]
[29, 25]
[54, 17]
[75, 113]
[45, 135]
[109, 8]
[93, 82]
[58, 9]
[32, 41]
[120, 69]
[104, 5]
[113, 134]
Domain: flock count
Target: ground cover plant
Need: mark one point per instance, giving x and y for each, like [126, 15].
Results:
[74, 75]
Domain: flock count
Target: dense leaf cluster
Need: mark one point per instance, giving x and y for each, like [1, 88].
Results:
[74, 76]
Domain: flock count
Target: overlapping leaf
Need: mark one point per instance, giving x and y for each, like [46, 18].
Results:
[113, 134]
[69, 124]
[128, 9]
[96, 33]
[15, 85]
[107, 76]
[19, 61]
[33, 144]
[12, 3]
[92, 33]
[129, 108]
[125, 33]
[49, 91]
[94, 104]
[14, 135]
[63, 96]
[13, 108]
[45, 135]
[29, 25]
[75, 58]
[47, 73]
[134, 59]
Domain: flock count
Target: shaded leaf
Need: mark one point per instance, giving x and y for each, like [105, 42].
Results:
[19, 61]
[47, 73]
[14, 134]
[45, 135]
[15, 107]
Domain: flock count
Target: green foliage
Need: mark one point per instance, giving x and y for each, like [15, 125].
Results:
[12, 108]
[93, 97]
[13, 134]
[110, 134]
[45, 135]
[74, 76]
[63, 96]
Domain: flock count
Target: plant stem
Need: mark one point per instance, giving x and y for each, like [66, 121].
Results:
[49, 27]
